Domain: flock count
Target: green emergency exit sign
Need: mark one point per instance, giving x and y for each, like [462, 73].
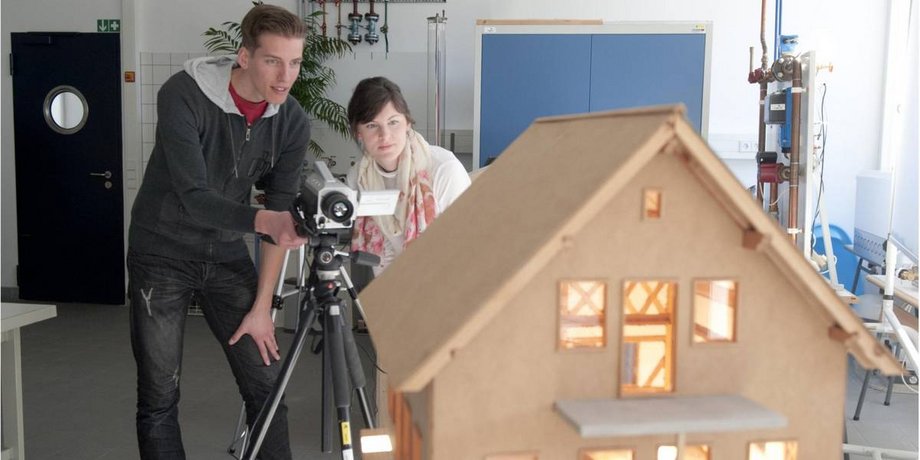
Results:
[108, 25]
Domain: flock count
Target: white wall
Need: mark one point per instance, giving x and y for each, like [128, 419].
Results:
[855, 29]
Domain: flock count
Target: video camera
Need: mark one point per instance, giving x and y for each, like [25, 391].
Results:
[327, 205]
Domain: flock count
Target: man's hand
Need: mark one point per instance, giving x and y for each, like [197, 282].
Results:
[280, 227]
[258, 324]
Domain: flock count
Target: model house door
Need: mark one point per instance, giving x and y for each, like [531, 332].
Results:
[69, 197]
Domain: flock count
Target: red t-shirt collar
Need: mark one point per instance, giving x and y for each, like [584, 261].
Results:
[251, 110]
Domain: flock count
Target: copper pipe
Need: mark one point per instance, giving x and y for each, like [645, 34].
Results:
[763, 37]
[761, 126]
[794, 151]
[774, 198]
[761, 134]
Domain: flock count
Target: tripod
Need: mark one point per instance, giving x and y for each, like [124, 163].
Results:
[341, 363]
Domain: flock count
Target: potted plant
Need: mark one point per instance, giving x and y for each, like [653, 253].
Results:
[315, 78]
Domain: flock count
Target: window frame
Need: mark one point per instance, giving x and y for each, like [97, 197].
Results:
[647, 212]
[670, 345]
[585, 451]
[603, 322]
[693, 309]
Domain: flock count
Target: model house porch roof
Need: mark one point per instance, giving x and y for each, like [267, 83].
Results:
[604, 418]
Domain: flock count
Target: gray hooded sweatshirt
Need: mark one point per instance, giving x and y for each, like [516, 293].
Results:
[193, 203]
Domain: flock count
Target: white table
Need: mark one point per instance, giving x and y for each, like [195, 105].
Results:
[15, 316]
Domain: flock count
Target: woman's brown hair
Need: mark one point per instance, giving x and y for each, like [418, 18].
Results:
[368, 100]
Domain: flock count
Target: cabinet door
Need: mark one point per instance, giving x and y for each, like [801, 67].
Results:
[632, 70]
[526, 76]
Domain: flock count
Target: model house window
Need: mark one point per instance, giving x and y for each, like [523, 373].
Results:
[607, 454]
[694, 452]
[582, 314]
[407, 438]
[715, 310]
[651, 203]
[773, 450]
[648, 340]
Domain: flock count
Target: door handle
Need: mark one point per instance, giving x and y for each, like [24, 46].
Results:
[107, 174]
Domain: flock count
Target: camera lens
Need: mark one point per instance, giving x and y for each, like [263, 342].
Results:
[337, 207]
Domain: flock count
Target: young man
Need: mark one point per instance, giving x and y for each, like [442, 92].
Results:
[223, 124]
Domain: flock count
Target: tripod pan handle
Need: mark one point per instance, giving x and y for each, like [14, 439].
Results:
[365, 258]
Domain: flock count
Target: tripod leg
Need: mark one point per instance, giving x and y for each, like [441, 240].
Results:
[263, 421]
[358, 378]
[356, 371]
[239, 434]
[328, 408]
[335, 325]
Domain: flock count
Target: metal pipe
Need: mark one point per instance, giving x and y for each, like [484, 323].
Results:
[794, 156]
[437, 78]
[778, 29]
[888, 315]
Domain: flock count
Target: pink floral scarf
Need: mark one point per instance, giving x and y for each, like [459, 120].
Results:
[415, 209]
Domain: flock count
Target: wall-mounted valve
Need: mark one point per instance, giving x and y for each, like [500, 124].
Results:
[372, 18]
[354, 30]
[782, 67]
[372, 36]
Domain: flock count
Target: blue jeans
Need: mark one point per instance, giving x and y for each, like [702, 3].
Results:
[160, 289]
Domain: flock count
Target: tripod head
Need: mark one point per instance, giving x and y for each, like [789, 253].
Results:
[326, 266]
[328, 258]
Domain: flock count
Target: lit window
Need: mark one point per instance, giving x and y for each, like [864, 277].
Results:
[715, 309]
[582, 307]
[651, 204]
[773, 450]
[608, 454]
[407, 439]
[695, 452]
[648, 340]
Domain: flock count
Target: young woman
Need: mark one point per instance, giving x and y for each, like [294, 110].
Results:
[396, 157]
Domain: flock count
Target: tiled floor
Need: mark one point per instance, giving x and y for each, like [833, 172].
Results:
[891, 427]
[78, 378]
[79, 390]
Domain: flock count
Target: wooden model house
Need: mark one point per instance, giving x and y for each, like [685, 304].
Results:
[608, 290]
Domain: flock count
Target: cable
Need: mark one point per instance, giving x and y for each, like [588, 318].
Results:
[780, 196]
[822, 133]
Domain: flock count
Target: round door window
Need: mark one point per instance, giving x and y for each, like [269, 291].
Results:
[65, 109]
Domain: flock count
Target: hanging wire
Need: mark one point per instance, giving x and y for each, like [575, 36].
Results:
[822, 134]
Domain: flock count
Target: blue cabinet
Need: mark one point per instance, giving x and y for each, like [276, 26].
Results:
[524, 75]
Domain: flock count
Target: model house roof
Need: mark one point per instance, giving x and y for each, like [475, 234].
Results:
[517, 216]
